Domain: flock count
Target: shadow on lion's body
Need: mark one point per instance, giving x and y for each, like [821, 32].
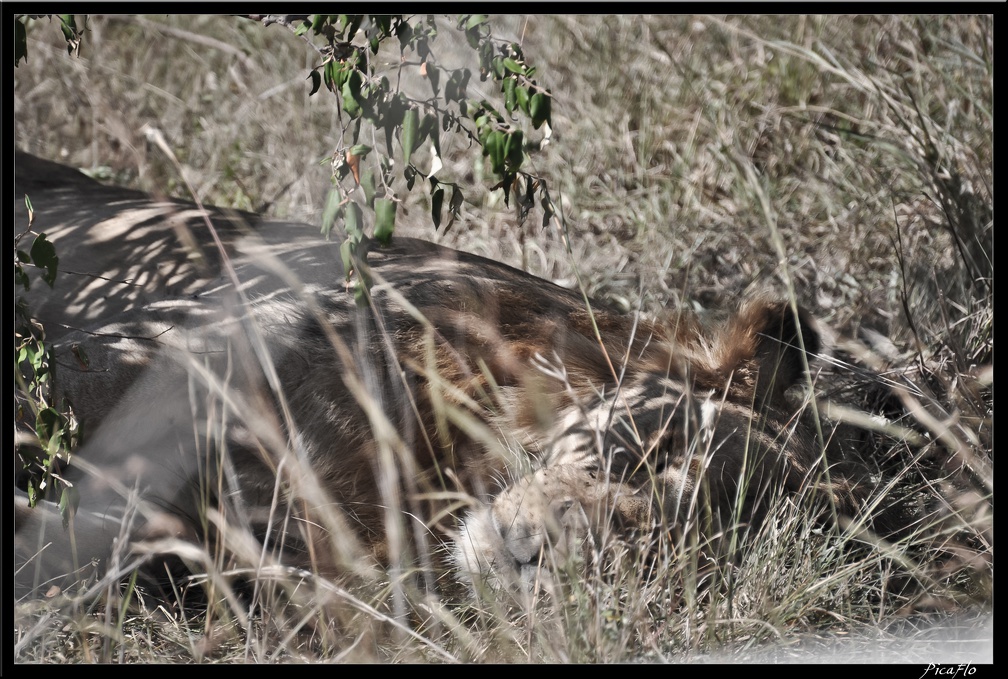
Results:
[387, 423]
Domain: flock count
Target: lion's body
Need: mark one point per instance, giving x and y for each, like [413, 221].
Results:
[413, 406]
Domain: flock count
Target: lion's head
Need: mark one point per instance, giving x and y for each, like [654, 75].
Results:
[702, 430]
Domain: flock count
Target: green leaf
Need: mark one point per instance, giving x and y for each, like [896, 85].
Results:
[422, 47]
[385, 211]
[21, 277]
[352, 94]
[494, 148]
[483, 130]
[47, 423]
[510, 96]
[360, 150]
[506, 185]
[384, 23]
[68, 503]
[404, 32]
[513, 66]
[540, 109]
[528, 200]
[335, 75]
[368, 96]
[68, 25]
[410, 129]
[451, 88]
[20, 43]
[437, 199]
[522, 98]
[331, 211]
[429, 128]
[350, 104]
[392, 116]
[486, 54]
[513, 149]
[367, 183]
[43, 254]
[55, 442]
[476, 20]
[361, 290]
[454, 206]
[346, 255]
[353, 222]
[434, 75]
[455, 89]
[354, 23]
[547, 206]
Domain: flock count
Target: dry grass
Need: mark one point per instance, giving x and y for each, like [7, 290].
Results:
[847, 161]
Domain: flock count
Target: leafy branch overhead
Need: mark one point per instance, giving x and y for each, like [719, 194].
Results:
[370, 64]
[68, 24]
[375, 107]
[55, 427]
[35, 408]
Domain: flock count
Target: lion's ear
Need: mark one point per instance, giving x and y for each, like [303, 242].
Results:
[774, 343]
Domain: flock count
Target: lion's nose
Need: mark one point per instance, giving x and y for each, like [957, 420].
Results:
[558, 527]
[507, 545]
[524, 542]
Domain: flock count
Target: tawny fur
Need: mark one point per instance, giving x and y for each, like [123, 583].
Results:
[351, 407]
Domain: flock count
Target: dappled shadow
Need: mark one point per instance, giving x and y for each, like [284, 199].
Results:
[118, 249]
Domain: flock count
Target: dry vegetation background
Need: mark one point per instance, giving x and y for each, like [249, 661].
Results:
[698, 159]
